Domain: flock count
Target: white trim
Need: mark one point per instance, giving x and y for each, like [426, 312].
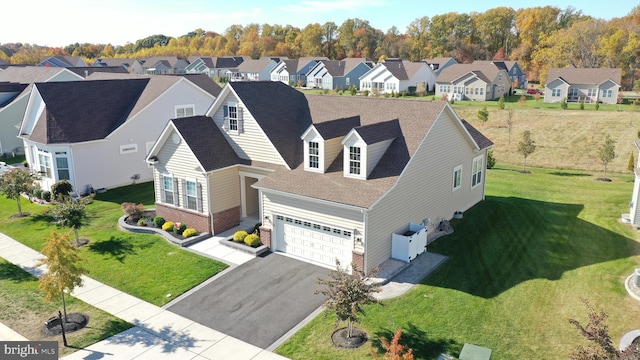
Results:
[310, 199]
[457, 170]
[478, 171]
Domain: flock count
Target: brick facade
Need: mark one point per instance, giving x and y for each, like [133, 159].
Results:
[357, 259]
[226, 219]
[265, 236]
[197, 221]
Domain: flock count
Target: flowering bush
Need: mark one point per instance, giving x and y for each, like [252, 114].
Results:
[252, 240]
[189, 232]
[179, 228]
[168, 226]
[239, 236]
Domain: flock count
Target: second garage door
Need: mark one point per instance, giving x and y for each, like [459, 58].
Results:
[313, 242]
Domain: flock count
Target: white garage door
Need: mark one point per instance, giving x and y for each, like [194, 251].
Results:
[314, 242]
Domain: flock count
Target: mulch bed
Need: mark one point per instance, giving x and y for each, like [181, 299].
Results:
[75, 322]
[18, 216]
[358, 338]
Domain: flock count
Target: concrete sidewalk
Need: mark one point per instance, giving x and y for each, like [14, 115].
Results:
[157, 334]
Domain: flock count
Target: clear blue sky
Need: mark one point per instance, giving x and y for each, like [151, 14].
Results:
[120, 21]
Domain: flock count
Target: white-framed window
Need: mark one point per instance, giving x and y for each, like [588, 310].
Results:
[191, 194]
[184, 110]
[232, 118]
[354, 160]
[476, 170]
[481, 91]
[592, 92]
[457, 177]
[128, 149]
[62, 166]
[347, 81]
[607, 93]
[314, 154]
[44, 161]
[555, 92]
[573, 92]
[168, 190]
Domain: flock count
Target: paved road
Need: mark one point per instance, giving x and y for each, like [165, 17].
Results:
[258, 301]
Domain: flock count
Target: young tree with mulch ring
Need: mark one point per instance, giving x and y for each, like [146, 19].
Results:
[64, 269]
[346, 294]
[14, 183]
[606, 153]
[71, 213]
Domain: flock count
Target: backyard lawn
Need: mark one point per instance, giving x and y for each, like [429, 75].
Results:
[519, 264]
[143, 265]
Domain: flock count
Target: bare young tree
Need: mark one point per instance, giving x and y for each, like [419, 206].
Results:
[607, 152]
[526, 147]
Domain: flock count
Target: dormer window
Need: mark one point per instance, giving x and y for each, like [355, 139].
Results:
[232, 118]
[354, 160]
[314, 155]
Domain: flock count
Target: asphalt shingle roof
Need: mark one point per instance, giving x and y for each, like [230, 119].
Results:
[204, 82]
[485, 71]
[78, 111]
[574, 75]
[337, 128]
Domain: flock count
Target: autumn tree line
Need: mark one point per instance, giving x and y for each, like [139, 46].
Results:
[538, 38]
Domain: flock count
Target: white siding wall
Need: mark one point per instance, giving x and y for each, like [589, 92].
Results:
[10, 116]
[634, 212]
[424, 190]
[252, 143]
[375, 152]
[324, 214]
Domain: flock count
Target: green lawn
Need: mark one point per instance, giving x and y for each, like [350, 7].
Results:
[24, 310]
[145, 266]
[519, 263]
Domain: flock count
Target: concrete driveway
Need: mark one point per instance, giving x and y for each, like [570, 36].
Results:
[258, 301]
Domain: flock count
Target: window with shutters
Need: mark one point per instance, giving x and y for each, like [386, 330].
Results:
[191, 192]
[167, 189]
[232, 118]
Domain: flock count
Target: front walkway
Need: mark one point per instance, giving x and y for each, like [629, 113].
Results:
[157, 334]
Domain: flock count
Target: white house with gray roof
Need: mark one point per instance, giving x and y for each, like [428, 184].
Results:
[397, 75]
[481, 82]
[329, 177]
[588, 85]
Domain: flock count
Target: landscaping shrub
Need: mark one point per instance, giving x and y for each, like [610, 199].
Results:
[142, 222]
[179, 228]
[412, 90]
[61, 188]
[168, 226]
[365, 93]
[252, 240]
[189, 232]
[158, 221]
[46, 196]
[240, 235]
[38, 193]
[134, 211]
[353, 90]
[491, 161]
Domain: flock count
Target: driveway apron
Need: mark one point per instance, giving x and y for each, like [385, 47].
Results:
[259, 301]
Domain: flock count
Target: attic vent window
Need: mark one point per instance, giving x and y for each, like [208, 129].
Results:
[184, 111]
[128, 149]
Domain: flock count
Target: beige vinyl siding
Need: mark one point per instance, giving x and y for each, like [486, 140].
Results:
[375, 152]
[425, 189]
[252, 143]
[225, 189]
[251, 195]
[324, 214]
[332, 148]
[180, 164]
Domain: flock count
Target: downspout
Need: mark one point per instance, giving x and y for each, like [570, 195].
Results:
[206, 176]
[365, 217]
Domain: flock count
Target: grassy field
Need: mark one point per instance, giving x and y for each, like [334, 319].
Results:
[143, 265]
[519, 264]
[24, 310]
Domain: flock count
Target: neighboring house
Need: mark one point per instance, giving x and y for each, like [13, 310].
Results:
[294, 71]
[437, 64]
[329, 177]
[254, 69]
[214, 67]
[62, 61]
[634, 204]
[96, 133]
[589, 85]
[107, 62]
[479, 82]
[160, 65]
[88, 70]
[516, 74]
[2, 62]
[338, 74]
[396, 75]
[13, 107]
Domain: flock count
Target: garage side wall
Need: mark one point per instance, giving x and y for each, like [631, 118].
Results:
[425, 189]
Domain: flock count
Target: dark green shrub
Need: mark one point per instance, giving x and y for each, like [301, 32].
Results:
[412, 90]
[563, 104]
[491, 161]
[158, 221]
[61, 188]
[46, 196]
[353, 90]
[501, 103]
[582, 105]
[252, 240]
[179, 228]
[240, 235]
[38, 193]
[597, 106]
